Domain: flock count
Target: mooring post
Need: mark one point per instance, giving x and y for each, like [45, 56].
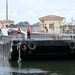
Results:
[18, 48]
[19, 67]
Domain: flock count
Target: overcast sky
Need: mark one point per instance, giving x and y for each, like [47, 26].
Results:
[31, 10]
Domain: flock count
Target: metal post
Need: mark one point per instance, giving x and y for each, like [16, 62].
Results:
[72, 32]
[19, 66]
[19, 58]
[6, 9]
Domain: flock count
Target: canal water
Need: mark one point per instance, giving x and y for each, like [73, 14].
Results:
[39, 67]
[34, 67]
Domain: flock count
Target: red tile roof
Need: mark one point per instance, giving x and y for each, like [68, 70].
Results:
[6, 21]
[51, 17]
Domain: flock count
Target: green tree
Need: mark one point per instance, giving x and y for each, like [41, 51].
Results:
[26, 23]
[36, 24]
[22, 24]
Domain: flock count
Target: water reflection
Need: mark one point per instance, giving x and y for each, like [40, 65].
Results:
[39, 67]
[52, 67]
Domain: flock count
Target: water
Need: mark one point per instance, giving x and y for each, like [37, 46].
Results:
[37, 67]
[34, 67]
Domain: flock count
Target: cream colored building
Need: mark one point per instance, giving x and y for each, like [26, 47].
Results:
[51, 23]
[5, 23]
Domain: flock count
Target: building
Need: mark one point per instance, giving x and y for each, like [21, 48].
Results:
[51, 24]
[5, 23]
[68, 28]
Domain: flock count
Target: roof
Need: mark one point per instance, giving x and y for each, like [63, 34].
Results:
[6, 21]
[51, 17]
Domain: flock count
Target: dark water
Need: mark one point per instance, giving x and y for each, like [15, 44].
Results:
[39, 67]
[34, 67]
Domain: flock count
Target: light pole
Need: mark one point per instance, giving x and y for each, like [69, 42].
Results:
[6, 9]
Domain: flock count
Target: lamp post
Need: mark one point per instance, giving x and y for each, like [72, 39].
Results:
[6, 9]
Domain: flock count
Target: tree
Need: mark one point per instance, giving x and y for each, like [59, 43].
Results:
[36, 24]
[26, 23]
[23, 24]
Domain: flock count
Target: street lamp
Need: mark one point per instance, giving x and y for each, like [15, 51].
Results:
[6, 9]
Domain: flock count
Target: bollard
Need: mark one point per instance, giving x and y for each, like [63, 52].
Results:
[18, 48]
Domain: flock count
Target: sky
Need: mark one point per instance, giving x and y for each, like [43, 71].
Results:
[32, 10]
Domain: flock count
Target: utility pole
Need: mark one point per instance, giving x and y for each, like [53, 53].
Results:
[6, 9]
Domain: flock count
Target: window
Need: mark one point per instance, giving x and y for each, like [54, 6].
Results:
[45, 25]
[51, 26]
[2, 26]
[42, 25]
[42, 21]
[59, 22]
